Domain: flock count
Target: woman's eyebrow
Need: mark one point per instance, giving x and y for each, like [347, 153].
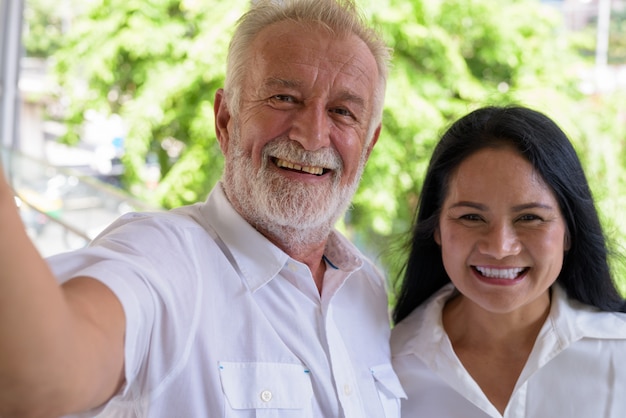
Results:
[532, 205]
[468, 204]
[516, 208]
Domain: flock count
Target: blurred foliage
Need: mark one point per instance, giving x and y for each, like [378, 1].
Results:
[585, 39]
[617, 38]
[45, 23]
[157, 63]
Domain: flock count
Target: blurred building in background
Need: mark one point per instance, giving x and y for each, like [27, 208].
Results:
[71, 190]
[66, 195]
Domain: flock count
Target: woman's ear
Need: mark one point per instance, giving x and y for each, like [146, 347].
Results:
[567, 241]
[437, 236]
[222, 119]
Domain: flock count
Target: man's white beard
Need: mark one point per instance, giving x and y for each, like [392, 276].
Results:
[294, 213]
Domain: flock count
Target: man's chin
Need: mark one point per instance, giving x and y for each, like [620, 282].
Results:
[296, 221]
[285, 210]
[294, 235]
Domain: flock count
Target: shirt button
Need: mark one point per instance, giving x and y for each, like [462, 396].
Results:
[266, 396]
[347, 389]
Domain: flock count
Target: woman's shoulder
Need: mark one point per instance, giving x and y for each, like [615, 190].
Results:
[423, 326]
[585, 320]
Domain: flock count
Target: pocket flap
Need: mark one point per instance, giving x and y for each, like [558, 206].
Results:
[388, 380]
[266, 385]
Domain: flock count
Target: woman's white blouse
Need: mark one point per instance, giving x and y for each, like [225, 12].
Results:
[577, 368]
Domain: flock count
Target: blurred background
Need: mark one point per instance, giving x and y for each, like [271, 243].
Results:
[107, 105]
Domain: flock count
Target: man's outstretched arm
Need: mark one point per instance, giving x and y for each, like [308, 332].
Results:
[61, 347]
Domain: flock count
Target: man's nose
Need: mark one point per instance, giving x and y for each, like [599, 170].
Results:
[500, 240]
[311, 127]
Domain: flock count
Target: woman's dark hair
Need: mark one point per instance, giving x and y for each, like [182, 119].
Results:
[585, 274]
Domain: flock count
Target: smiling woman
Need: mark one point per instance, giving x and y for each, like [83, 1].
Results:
[507, 290]
[502, 235]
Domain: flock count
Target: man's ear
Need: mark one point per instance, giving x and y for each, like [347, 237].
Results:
[370, 147]
[222, 118]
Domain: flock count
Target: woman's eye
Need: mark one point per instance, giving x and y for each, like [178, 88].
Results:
[470, 217]
[529, 217]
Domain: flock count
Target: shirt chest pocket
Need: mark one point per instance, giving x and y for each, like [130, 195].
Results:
[389, 389]
[266, 390]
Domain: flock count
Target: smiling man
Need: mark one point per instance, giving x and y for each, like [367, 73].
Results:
[249, 304]
[296, 147]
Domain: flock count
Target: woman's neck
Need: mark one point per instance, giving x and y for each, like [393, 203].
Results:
[494, 347]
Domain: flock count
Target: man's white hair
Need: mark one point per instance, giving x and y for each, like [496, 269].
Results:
[339, 17]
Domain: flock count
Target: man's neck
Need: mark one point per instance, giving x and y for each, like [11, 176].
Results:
[293, 242]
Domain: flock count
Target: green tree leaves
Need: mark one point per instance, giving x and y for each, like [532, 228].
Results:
[158, 63]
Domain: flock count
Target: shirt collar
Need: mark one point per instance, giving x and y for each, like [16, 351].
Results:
[569, 321]
[422, 334]
[572, 320]
[422, 331]
[257, 259]
[342, 255]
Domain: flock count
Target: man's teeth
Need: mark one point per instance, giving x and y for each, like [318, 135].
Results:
[500, 273]
[311, 170]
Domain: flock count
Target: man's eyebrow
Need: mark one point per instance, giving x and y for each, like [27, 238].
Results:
[345, 96]
[281, 82]
[350, 97]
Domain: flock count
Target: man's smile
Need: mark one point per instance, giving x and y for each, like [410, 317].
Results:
[318, 171]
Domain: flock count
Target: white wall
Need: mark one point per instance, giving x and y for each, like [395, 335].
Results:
[10, 52]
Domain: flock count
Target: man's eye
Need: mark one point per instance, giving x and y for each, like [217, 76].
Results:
[283, 98]
[342, 112]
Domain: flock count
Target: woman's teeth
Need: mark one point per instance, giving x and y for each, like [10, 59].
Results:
[510, 273]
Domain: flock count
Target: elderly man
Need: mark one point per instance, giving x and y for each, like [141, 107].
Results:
[249, 304]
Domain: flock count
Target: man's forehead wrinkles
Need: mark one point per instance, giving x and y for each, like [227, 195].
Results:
[350, 97]
[277, 81]
[351, 65]
[281, 82]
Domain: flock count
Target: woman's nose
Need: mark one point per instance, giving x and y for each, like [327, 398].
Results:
[500, 241]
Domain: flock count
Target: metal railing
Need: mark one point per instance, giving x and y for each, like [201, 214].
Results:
[63, 209]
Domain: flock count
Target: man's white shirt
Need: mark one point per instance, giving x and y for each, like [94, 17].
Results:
[222, 323]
